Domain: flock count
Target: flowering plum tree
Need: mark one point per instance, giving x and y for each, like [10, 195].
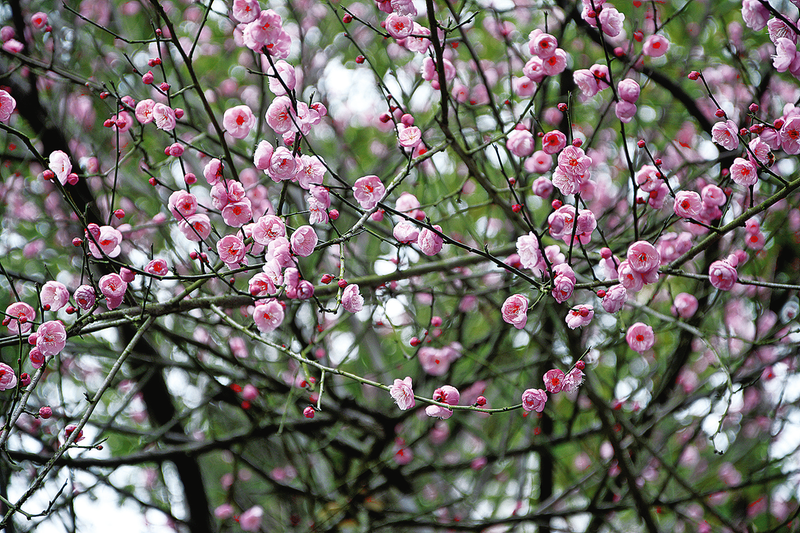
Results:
[313, 265]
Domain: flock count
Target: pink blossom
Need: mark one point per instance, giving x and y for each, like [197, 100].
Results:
[573, 380]
[640, 337]
[553, 142]
[304, 240]
[625, 111]
[611, 21]
[405, 231]
[51, 337]
[7, 105]
[20, 317]
[615, 298]
[282, 165]
[418, 44]
[744, 172]
[760, 151]
[262, 285]
[196, 227]
[528, 250]
[628, 90]
[687, 204]
[778, 29]
[629, 278]
[563, 287]
[144, 111]
[36, 357]
[790, 135]
[542, 187]
[268, 316]
[352, 301]
[84, 297]
[515, 310]
[104, 240]
[230, 249]
[279, 115]
[284, 78]
[534, 400]
[533, 70]
[555, 64]
[754, 14]
[157, 267]
[224, 511]
[237, 214]
[541, 44]
[213, 171]
[54, 294]
[8, 380]
[182, 204]
[655, 46]
[444, 394]
[267, 229]
[649, 178]
[262, 155]
[310, 171]
[726, 134]
[39, 20]
[402, 393]
[554, 380]
[643, 256]
[60, 164]
[523, 87]
[579, 316]
[713, 196]
[164, 117]
[368, 191]
[245, 11]
[434, 361]
[399, 26]
[574, 161]
[722, 275]
[408, 137]
[238, 121]
[250, 520]
[113, 288]
[429, 242]
[587, 82]
[685, 305]
[786, 58]
[520, 143]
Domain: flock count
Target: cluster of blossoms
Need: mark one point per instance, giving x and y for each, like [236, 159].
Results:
[429, 241]
[555, 381]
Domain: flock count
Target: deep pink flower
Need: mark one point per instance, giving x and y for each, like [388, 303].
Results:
[629, 278]
[157, 267]
[238, 121]
[245, 11]
[51, 337]
[447, 394]
[213, 171]
[574, 161]
[368, 191]
[687, 204]
[533, 70]
[182, 204]
[553, 142]
[262, 155]
[726, 134]
[231, 250]
[304, 240]
[790, 135]
[36, 357]
[268, 316]
[643, 256]
[399, 26]
[237, 214]
[402, 393]
[625, 111]
[279, 115]
[541, 44]
[20, 317]
[515, 310]
[573, 380]
[628, 90]
[429, 242]
[84, 297]
[744, 172]
[267, 229]
[685, 305]
[54, 294]
[555, 64]
[640, 337]
[648, 178]
[534, 400]
[352, 301]
[8, 380]
[615, 298]
[563, 288]
[713, 196]
[554, 380]
[655, 46]
[722, 275]
[579, 316]
[113, 288]
[7, 105]
[196, 227]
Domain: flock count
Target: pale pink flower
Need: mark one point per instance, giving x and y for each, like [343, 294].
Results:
[640, 337]
[628, 90]
[182, 204]
[625, 111]
[744, 172]
[713, 196]
[157, 267]
[113, 288]
[304, 240]
[8, 380]
[268, 316]
[629, 278]
[310, 171]
[104, 240]
[520, 143]
[760, 150]
[250, 520]
[515, 310]
[164, 117]
[643, 256]
[722, 275]
[402, 393]
[20, 316]
[213, 171]
[586, 82]
[267, 229]
[573, 380]
[615, 298]
[554, 380]
[726, 134]
[786, 58]
[444, 394]
[611, 21]
[778, 29]
[574, 161]
[7, 105]
[262, 285]
[245, 11]
[405, 231]
[409, 137]
[534, 400]
[284, 78]
[282, 165]
[541, 44]
[754, 14]
[429, 242]
[352, 301]
[685, 305]
[648, 178]
[555, 64]
[237, 214]
[279, 115]
[528, 250]
[144, 111]
[196, 227]
[563, 286]
[54, 294]
[553, 142]
[418, 44]
[579, 316]
[231, 249]
[655, 46]
[224, 511]
[687, 204]
[84, 297]
[790, 135]
[368, 191]
[51, 337]
[60, 164]
[542, 187]
[434, 361]
[523, 87]
[262, 155]
[533, 70]
[399, 26]
[238, 121]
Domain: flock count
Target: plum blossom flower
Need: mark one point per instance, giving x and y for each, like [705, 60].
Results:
[250, 520]
[409, 137]
[113, 288]
[429, 242]
[231, 250]
[60, 164]
[304, 240]
[196, 227]
[164, 117]
[144, 111]
[563, 282]
[553, 142]
[51, 337]
[281, 77]
[643, 256]
[8, 380]
[237, 214]
[754, 14]
[648, 178]
[182, 204]
[54, 294]
[722, 275]
[268, 316]
[555, 64]
[282, 165]
[625, 111]
[790, 135]
[434, 361]
[687, 204]
[534, 400]
[615, 298]
[579, 316]
[515, 310]
[630, 279]
[7, 105]
[279, 115]
[245, 11]
[533, 70]
[541, 44]
[84, 297]
[528, 250]
[352, 301]
[554, 380]
[685, 305]
[402, 393]
[103, 240]
[611, 21]
[238, 121]
[262, 155]
[786, 57]
[726, 134]
[520, 142]
[655, 46]
[399, 26]
[20, 317]
[405, 231]
[573, 380]
[268, 228]
[640, 337]
[628, 90]
[744, 172]
[157, 267]
[444, 394]
[368, 191]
